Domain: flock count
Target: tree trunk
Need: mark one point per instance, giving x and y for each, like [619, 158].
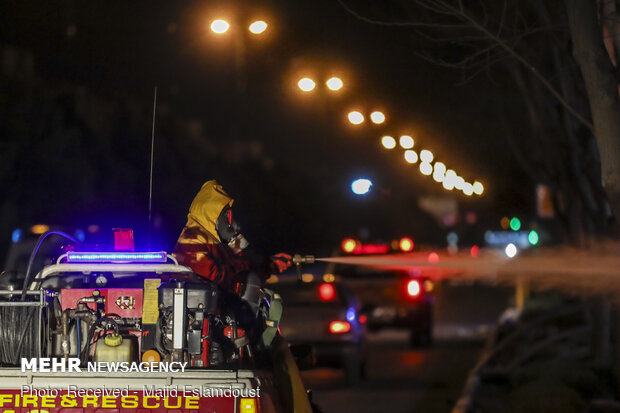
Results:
[602, 88]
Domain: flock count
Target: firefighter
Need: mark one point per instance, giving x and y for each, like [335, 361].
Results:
[212, 244]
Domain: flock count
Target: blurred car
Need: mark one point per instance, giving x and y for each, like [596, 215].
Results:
[327, 316]
[394, 299]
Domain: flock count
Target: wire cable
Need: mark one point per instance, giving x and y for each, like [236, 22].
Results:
[34, 254]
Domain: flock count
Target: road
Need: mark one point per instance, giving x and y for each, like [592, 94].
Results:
[406, 380]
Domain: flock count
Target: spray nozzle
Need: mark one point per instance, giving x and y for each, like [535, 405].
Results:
[302, 259]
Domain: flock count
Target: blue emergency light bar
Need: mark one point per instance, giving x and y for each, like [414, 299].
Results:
[75, 256]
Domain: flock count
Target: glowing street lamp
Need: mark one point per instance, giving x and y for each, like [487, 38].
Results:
[468, 189]
[438, 176]
[426, 168]
[334, 83]
[219, 26]
[411, 156]
[306, 84]
[258, 27]
[406, 142]
[449, 180]
[426, 156]
[439, 168]
[361, 186]
[388, 142]
[377, 117]
[459, 183]
[478, 188]
[355, 117]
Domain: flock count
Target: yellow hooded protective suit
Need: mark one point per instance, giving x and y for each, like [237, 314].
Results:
[203, 213]
[199, 245]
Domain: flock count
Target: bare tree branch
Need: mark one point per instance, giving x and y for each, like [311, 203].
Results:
[443, 7]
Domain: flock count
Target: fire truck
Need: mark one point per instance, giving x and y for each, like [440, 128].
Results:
[137, 332]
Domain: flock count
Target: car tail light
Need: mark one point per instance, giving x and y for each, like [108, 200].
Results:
[433, 258]
[413, 288]
[363, 318]
[327, 292]
[348, 245]
[474, 251]
[339, 327]
[406, 244]
[248, 405]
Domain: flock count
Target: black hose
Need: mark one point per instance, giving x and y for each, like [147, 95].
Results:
[18, 338]
[34, 254]
[91, 334]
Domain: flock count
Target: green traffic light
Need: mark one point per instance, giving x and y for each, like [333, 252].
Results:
[515, 224]
[533, 237]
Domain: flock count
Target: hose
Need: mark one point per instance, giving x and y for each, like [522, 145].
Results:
[18, 338]
[43, 236]
[91, 334]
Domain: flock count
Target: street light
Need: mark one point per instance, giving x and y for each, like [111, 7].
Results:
[406, 142]
[426, 168]
[306, 84]
[449, 180]
[478, 188]
[219, 26]
[258, 27]
[361, 186]
[468, 189]
[388, 142]
[411, 156]
[426, 156]
[438, 175]
[440, 168]
[355, 117]
[459, 183]
[377, 117]
[334, 83]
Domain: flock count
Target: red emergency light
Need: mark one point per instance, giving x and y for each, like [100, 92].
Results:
[123, 239]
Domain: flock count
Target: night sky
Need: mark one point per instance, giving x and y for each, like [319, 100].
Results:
[287, 158]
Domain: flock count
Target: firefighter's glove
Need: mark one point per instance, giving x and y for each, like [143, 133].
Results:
[281, 262]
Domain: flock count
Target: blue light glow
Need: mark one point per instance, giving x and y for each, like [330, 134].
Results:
[350, 314]
[16, 236]
[361, 186]
[80, 234]
[74, 256]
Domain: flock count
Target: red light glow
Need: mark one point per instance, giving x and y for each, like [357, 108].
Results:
[413, 288]
[363, 318]
[433, 257]
[406, 244]
[371, 249]
[349, 245]
[474, 251]
[123, 239]
[327, 292]
[339, 327]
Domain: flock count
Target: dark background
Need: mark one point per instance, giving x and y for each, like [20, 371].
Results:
[76, 90]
